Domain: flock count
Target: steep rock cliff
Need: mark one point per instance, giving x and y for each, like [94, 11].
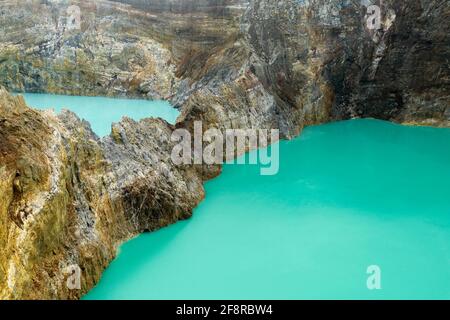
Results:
[68, 198]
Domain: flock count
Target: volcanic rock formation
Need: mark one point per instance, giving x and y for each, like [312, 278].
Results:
[69, 198]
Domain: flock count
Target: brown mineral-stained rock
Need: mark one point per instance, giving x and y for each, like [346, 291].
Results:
[39, 206]
[68, 198]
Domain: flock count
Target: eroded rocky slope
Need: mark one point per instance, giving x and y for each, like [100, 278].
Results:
[68, 197]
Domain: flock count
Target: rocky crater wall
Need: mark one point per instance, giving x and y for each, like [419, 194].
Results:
[69, 198]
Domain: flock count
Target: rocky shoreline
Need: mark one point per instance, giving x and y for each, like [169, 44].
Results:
[70, 198]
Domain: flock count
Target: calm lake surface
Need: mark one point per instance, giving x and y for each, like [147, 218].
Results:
[348, 195]
[102, 112]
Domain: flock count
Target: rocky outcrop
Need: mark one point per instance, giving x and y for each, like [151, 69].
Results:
[110, 52]
[70, 198]
[103, 47]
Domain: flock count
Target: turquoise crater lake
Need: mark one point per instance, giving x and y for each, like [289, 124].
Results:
[101, 112]
[348, 195]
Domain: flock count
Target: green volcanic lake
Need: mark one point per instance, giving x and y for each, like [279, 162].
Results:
[348, 195]
[101, 112]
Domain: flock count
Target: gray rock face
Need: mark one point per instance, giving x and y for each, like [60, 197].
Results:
[317, 59]
[397, 72]
[403, 73]
[153, 191]
[68, 197]
[109, 53]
